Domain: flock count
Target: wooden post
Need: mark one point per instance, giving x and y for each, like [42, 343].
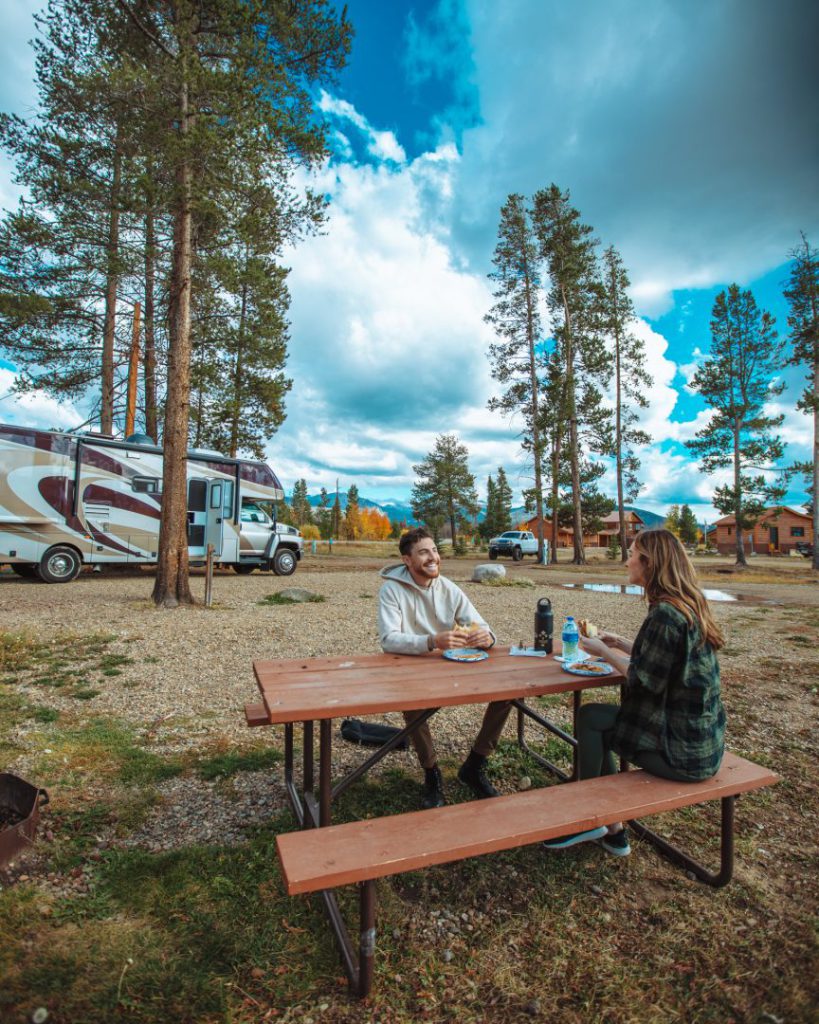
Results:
[209, 577]
[133, 371]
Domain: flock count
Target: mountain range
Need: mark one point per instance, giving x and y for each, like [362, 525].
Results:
[400, 512]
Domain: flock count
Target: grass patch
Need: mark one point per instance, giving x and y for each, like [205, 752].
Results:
[232, 762]
[506, 581]
[284, 599]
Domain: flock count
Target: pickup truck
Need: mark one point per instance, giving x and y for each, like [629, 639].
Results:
[516, 543]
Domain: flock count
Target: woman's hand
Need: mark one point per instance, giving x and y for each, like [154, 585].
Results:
[596, 646]
[616, 642]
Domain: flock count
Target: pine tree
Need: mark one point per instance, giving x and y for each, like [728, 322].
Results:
[504, 502]
[631, 382]
[352, 515]
[689, 529]
[735, 381]
[516, 320]
[568, 249]
[302, 512]
[445, 489]
[803, 320]
[325, 518]
[489, 526]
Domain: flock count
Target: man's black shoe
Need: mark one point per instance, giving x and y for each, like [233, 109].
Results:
[472, 774]
[432, 795]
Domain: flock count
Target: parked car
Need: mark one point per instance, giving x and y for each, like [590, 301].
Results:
[804, 548]
[514, 544]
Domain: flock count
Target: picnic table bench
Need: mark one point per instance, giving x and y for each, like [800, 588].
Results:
[323, 856]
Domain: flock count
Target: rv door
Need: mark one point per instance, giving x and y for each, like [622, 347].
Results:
[205, 499]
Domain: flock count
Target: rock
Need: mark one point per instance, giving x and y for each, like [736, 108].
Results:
[448, 955]
[524, 783]
[488, 572]
[298, 594]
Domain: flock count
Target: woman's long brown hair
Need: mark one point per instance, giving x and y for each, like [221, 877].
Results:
[670, 576]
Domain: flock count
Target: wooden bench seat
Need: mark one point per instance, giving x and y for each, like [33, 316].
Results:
[256, 714]
[362, 851]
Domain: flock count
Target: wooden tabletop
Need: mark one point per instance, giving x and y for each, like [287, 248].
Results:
[303, 689]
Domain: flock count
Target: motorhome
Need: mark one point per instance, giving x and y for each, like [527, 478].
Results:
[68, 500]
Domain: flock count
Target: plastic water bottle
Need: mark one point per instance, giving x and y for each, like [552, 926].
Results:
[570, 638]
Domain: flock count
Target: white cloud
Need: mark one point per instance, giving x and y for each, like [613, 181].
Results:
[34, 409]
[383, 145]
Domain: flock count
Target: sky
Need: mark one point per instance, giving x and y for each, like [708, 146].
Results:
[687, 133]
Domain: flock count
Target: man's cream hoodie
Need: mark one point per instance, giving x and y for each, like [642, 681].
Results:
[409, 614]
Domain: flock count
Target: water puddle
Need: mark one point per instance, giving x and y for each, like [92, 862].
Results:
[631, 588]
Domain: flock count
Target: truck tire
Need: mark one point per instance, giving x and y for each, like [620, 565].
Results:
[493, 554]
[60, 564]
[284, 562]
[28, 572]
[243, 568]
[517, 555]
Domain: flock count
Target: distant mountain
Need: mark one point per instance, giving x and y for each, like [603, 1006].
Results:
[396, 511]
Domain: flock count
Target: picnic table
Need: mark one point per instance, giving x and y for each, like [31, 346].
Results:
[310, 692]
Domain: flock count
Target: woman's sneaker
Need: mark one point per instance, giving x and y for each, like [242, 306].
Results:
[564, 842]
[616, 843]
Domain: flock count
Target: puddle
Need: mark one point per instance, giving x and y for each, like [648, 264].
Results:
[631, 588]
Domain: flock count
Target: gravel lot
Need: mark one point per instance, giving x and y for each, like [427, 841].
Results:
[190, 672]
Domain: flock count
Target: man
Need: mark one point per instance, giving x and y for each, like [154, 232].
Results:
[418, 610]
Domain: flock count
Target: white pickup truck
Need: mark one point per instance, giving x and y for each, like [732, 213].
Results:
[515, 543]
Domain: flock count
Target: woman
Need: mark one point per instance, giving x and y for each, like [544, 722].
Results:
[671, 720]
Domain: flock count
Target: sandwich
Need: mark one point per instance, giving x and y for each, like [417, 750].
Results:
[587, 629]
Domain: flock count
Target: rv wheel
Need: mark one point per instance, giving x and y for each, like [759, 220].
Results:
[284, 562]
[60, 565]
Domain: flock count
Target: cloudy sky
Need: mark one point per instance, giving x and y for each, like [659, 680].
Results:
[687, 132]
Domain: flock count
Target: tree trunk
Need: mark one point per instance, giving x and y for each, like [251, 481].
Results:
[151, 425]
[815, 508]
[741, 560]
[172, 586]
[534, 385]
[111, 282]
[574, 457]
[238, 371]
[555, 491]
[618, 438]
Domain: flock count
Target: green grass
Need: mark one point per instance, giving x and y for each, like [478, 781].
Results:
[284, 599]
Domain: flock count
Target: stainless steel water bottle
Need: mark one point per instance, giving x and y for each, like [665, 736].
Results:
[544, 625]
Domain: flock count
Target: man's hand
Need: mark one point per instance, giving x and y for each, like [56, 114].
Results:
[452, 638]
[479, 638]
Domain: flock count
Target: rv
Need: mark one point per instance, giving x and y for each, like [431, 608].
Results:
[68, 500]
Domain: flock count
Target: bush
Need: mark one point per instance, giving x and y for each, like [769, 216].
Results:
[613, 550]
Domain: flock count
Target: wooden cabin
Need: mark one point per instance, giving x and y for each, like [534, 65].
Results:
[777, 531]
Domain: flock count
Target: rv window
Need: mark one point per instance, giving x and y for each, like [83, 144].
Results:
[227, 511]
[216, 496]
[145, 484]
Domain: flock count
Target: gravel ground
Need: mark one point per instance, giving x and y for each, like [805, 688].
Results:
[190, 672]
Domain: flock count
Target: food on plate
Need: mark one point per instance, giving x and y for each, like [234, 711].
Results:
[588, 628]
[590, 668]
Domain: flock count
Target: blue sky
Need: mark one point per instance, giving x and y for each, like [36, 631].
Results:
[687, 132]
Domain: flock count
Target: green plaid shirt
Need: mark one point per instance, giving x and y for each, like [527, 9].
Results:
[671, 702]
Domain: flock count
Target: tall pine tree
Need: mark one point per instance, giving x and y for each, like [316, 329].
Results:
[631, 382]
[802, 294]
[445, 489]
[735, 381]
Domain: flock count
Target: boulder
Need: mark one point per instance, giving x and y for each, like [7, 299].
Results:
[488, 572]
